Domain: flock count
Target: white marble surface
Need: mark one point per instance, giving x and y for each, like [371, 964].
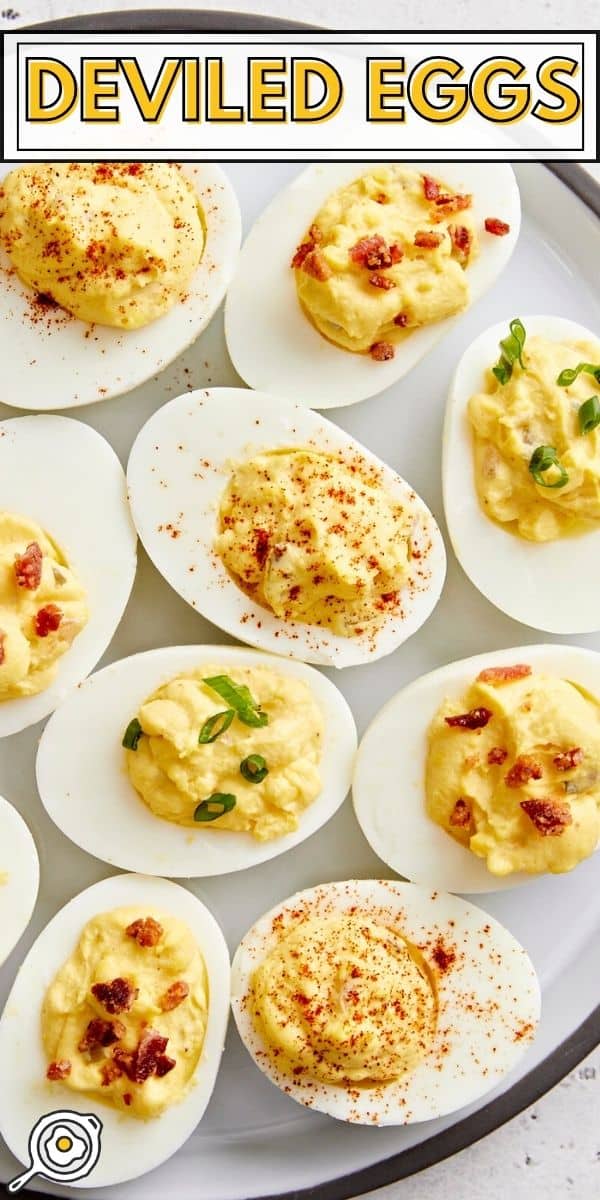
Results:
[551, 1150]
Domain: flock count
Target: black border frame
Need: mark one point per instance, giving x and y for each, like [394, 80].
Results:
[566, 1056]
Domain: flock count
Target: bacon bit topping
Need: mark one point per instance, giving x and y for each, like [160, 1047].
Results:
[147, 1059]
[427, 240]
[550, 817]
[461, 814]
[305, 248]
[461, 240]
[452, 204]
[567, 759]
[401, 319]
[373, 253]
[28, 567]
[263, 540]
[477, 718]
[497, 755]
[522, 771]
[431, 187]
[174, 996]
[396, 253]
[382, 351]
[59, 1070]
[381, 281]
[127, 1098]
[504, 674]
[110, 1071]
[2, 650]
[497, 227]
[146, 931]
[115, 997]
[316, 264]
[381, 198]
[101, 1033]
[47, 620]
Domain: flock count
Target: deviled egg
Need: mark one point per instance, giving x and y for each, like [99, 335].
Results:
[354, 272]
[71, 1038]
[383, 1003]
[521, 471]
[19, 877]
[484, 773]
[204, 759]
[67, 561]
[110, 271]
[281, 529]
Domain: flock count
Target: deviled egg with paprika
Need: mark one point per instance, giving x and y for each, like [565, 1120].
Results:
[281, 529]
[521, 471]
[354, 272]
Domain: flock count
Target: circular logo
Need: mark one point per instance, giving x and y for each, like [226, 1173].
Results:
[64, 1146]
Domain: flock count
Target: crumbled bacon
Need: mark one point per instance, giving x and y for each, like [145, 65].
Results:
[58, 1070]
[550, 817]
[381, 281]
[431, 187]
[48, 619]
[174, 995]
[117, 996]
[101, 1033]
[524, 769]
[147, 1059]
[401, 319]
[127, 1098]
[504, 674]
[497, 755]
[381, 198]
[452, 204]
[316, 264]
[427, 240]
[2, 650]
[497, 227]
[372, 252]
[305, 248]
[28, 567]
[146, 931]
[382, 351]
[396, 253]
[461, 814]
[461, 239]
[477, 718]
[567, 759]
[110, 1071]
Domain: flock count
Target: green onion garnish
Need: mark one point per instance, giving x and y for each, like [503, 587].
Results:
[569, 375]
[541, 461]
[254, 768]
[512, 351]
[238, 697]
[589, 414]
[215, 726]
[132, 735]
[215, 806]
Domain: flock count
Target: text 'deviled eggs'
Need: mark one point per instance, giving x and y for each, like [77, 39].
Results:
[179, 467]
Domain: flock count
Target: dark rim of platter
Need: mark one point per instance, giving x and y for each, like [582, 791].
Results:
[569, 1053]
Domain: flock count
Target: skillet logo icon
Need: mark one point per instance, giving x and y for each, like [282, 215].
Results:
[64, 1147]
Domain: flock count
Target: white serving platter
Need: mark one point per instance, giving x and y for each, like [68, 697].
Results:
[253, 1141]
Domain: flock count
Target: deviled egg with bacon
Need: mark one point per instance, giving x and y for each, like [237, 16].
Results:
[281, 529]
[67, 561]
[383, 1003]
[354, 272]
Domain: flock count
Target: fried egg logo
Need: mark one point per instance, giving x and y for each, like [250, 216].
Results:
[64, 1147]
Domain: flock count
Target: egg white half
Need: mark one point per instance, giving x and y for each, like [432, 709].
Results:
[66, 477]
[178, 469]
[553, 586]
[274, 346]
[70, 362]
[130, 1147]
[85, 788]
[19, 877]
[489, 1001]
[388, 786]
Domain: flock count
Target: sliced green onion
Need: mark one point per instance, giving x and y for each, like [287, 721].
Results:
[569, 375]
[512, 351]
[238, 697]
[254, 768]
[216, 805]
[132, 735]
[589, 414]
[215, 726]
[541, 461]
